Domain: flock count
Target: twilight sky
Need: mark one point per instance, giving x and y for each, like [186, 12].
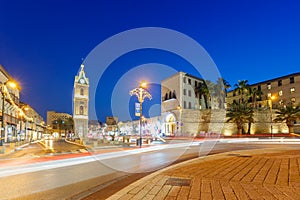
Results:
[42, 44]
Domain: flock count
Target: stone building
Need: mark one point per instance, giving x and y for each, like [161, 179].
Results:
[180, 104]
[9, 105]
[80, 103]
[280, 91]
[185, 113]
[53, 116]
[32, 124]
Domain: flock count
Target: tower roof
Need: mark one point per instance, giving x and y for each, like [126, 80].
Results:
[81, 78]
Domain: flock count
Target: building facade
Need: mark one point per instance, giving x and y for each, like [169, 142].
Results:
[53, 116]
[9, 103]
[278, 91]
[80, 103]
[32, 125]
[179, 98]
[185, 112]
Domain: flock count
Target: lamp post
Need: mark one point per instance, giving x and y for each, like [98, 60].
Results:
[23, 110]
[179, 120]
[271, 111]
[21, 119]
[3, 92]
[141, 94]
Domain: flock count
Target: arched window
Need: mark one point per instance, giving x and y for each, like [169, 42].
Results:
[170, 95]
[166, 96]
[174, 95]
[81, 110]
[81, 91]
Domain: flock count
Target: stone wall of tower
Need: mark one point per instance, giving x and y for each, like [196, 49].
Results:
[80, 104]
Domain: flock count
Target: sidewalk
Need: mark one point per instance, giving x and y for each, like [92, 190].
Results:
[8, 148]
[250, 174]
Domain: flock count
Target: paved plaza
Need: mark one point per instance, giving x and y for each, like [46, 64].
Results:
[250, 174]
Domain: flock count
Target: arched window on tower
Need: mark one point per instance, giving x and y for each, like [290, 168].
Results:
[166, 96]
[81, 110]
[174, 95]
[81, 91]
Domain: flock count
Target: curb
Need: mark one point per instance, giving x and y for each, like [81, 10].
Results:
[75, 143]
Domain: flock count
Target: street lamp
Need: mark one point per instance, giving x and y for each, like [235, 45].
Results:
[271, 111]
[178, 121]
[21, 119]
[141, 94]
[3, 92]
[22, 110]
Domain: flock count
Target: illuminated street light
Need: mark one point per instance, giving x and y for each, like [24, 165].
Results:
[23, 109]
[141, 94]
[3, 92]
[271, 111]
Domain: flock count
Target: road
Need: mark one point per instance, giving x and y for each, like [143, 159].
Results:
[72, 178]
[44, 148]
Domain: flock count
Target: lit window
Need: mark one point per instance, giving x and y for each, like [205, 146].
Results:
[281, 102]
[292, 90]
[293, 100]
[269, 95]
[269, 86]
[81, 110]
[280, 93]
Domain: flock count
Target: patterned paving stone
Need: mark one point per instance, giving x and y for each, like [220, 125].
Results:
[235, 176]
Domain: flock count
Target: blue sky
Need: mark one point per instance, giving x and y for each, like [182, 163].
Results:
[42, 43]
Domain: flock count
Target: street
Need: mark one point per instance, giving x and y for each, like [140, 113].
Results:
[73, 177]
[44, 148]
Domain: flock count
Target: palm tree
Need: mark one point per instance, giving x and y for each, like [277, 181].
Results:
[240, 113]
[226, 86]
[202, 91]
[288, 114]
[213, 92]
[221, 88]
[242, 87]
[254, 94]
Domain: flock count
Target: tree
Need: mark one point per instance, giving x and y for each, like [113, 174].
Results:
[288, 114]
[202, 91]
[254, 94]
[221, 90]
[240, 113]
[242, 87]
[226, 86]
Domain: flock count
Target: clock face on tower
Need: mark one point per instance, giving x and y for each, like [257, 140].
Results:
[82, 81]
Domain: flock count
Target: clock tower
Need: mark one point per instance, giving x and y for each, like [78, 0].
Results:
[80, 104]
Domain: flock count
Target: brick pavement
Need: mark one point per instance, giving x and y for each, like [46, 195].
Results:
[255, 174]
